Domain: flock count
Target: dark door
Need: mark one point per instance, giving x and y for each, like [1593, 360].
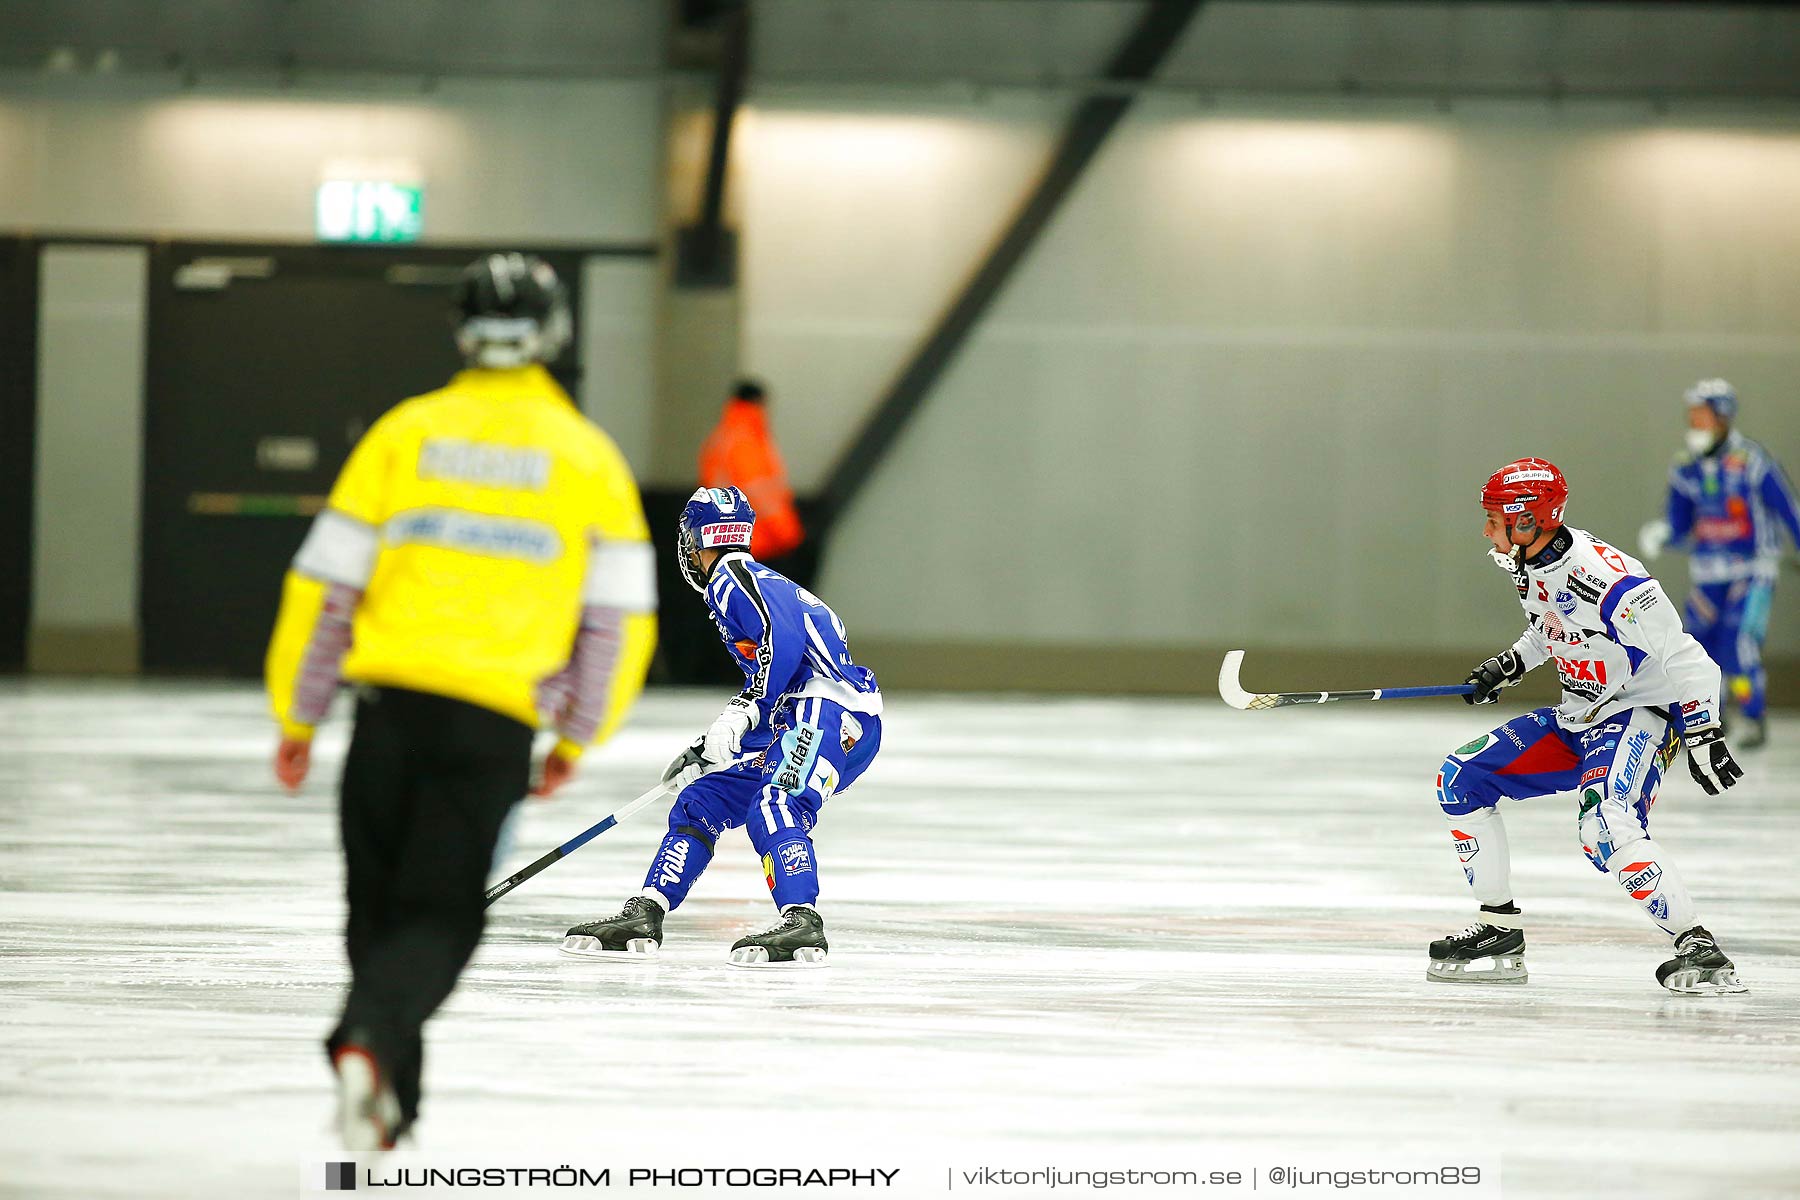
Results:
[265, 366]
[18, 438]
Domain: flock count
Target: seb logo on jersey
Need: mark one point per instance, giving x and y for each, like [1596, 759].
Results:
[1582, 676]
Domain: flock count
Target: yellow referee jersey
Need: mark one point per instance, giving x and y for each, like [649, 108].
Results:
[478, 523]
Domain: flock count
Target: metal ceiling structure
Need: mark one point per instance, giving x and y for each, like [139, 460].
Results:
[1677, 48]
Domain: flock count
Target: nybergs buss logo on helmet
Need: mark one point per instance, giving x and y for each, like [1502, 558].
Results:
[725, 533]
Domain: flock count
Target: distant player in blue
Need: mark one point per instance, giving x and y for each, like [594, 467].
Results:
[1728, 505]
[805, 727]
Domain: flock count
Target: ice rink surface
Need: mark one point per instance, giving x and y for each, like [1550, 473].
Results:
[1060, 927]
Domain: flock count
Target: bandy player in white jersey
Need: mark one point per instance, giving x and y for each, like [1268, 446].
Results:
[1635, 687]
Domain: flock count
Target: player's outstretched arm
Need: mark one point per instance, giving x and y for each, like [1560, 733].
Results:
[1643, 617]
[1779, 499]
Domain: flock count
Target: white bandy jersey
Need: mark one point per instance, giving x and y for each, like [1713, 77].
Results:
[1612, 632]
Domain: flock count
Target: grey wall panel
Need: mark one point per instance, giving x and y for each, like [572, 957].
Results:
[1247, 388]
[618, 352]
[89, 458]
[536, 162]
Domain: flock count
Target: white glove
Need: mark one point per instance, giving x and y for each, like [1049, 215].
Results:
[1653, 537]
[726, 735]
[688, 766]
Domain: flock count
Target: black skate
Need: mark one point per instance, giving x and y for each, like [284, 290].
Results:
[368, 1113]
[1699, 967]
[797, 940]
[1503, 946]
[634, 935]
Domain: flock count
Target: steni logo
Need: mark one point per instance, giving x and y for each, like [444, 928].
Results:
[1591, 774]
[1467, 845]
[1640, 879]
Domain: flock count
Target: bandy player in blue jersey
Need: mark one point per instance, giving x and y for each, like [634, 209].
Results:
[1729, 504]
[805, 727]
[1636, 687]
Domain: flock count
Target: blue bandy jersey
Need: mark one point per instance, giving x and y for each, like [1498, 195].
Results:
[1728, 509]
[786, 640]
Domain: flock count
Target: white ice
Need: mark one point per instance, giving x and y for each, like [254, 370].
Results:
[1058, 927]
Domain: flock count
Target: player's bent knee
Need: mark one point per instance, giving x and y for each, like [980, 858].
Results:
[692, 816]
[1597, 843]
[1457, 795]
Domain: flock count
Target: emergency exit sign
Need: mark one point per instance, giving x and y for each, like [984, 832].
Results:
[364, 210]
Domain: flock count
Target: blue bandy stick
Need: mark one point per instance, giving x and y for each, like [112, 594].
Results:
[573, 844]
[1233, 693]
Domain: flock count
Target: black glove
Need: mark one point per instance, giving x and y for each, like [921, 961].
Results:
[688, 766]
[1503, 670]
[1709, 759]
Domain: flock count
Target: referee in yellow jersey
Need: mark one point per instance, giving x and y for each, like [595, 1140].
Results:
[482, 569]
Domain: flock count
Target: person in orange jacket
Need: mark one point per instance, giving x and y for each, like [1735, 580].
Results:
[740, 452]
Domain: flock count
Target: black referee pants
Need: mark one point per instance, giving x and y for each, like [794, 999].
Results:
[426, 785]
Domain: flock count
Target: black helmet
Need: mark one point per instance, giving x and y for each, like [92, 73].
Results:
[511, 310]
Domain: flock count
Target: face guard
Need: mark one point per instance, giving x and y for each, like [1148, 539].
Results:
[687, 557]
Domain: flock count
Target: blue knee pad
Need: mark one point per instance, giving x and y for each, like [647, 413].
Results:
[1461, 789]
[694, 828]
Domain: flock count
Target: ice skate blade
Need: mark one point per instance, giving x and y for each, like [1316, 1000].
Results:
[1507, 969]
[637, 950]
[757, 958]
[367, 1114]
[1695, 981]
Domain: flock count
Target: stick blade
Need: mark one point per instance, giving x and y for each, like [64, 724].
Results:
[1230, 690]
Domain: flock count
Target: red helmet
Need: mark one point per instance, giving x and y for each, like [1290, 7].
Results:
[1527, 485]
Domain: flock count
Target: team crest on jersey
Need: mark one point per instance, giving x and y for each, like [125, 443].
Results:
[1659, 908]
[1565, 602]
[1475, 747]
[1641, 879]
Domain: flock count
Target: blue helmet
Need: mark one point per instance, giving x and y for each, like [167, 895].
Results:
[712, 519]
[1715, 394]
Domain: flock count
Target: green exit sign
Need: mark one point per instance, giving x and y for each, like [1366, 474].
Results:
[364, 210]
